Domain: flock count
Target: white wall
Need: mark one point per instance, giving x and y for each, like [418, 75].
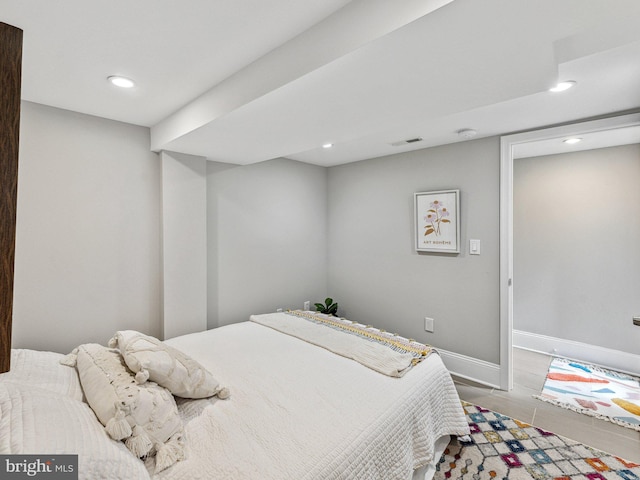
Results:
[88, 230]
[267, 238]
[184, 244]
[375, 273]
[577, 246]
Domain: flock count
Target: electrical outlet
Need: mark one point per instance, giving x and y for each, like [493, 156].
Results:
[307, 305]
[428, 324]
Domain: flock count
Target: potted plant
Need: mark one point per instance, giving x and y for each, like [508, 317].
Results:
[328, 307]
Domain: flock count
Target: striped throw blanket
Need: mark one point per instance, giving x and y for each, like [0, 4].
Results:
[381, 351]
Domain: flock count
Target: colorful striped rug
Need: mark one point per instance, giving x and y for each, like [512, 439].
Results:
[593, 391]
[501, 448]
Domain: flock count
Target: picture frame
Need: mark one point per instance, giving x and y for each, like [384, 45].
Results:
[437, 221]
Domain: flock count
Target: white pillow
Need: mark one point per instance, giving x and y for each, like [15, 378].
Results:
[43, 370]
[37, 421]
[150, 359]
[144, 416]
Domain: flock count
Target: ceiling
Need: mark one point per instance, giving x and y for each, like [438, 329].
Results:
[588, 141]
[243, 81]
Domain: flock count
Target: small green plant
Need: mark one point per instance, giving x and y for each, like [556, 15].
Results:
[328, 307]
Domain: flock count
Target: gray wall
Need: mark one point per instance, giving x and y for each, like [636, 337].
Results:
[267, 238]
[184, 244]
[88, 230]
[577, 246]
[89, 233]
[88, 258]
[374, 271]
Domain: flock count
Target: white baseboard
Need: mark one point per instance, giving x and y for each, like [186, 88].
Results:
[470, 368]
[605, 357]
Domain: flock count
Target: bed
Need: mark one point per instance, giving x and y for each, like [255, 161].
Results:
[292, 409]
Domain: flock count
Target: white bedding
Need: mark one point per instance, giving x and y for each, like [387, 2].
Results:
[296, 411]
[299, 412]
[41, 417]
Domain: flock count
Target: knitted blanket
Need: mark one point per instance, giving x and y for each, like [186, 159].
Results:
[381, 351]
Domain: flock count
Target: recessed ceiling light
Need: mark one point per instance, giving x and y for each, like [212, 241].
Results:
[327, 145]
[572, 140]
[122, 82]
[562, 86]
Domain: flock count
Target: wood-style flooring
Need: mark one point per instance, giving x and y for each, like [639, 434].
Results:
[530, 369]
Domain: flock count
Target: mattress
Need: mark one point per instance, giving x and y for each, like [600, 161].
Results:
[299, 411]
[296, 411]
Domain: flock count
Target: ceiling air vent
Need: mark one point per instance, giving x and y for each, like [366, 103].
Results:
[406, 142]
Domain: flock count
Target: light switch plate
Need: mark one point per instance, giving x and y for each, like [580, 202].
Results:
[474, 246]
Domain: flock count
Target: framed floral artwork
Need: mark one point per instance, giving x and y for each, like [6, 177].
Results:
[437, 216]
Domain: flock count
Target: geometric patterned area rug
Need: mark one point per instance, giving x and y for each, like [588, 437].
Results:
[501, 447]
[593, 391]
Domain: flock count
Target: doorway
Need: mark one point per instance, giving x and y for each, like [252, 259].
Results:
[518, 146]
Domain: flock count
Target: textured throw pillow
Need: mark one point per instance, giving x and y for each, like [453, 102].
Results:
[150, 359]
[144, 416]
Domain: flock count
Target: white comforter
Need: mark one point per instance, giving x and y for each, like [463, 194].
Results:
[296, 411]
[299, 412]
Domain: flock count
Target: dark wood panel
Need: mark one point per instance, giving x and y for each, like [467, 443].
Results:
[10, 82]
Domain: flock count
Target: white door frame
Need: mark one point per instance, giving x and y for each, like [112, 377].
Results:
[508, 144]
